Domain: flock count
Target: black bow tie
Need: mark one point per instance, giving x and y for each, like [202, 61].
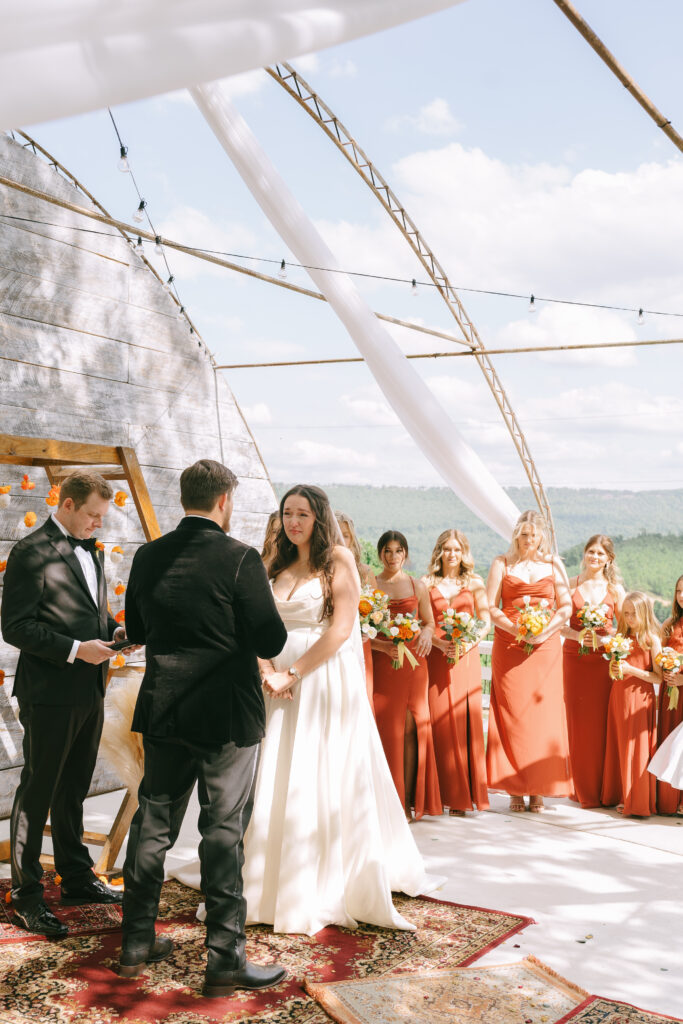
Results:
[87, 543]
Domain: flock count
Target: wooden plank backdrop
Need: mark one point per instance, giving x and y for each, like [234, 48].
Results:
[91, 350]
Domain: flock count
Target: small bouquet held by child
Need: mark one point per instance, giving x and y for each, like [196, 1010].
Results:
[617, 649]
[671, 661]
[462, 629]
[533, 618]
[592, 618]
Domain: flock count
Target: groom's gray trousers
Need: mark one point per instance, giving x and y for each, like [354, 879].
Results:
[226, 781]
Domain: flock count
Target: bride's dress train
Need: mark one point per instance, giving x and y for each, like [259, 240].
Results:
[328, 840]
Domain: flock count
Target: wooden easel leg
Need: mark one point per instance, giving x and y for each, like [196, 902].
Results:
[119, 829]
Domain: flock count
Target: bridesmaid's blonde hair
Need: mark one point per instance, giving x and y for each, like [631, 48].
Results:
[676, 613]
[611, 570]
[538, 521]
[435, 570]
[354, 546]
[647, 627]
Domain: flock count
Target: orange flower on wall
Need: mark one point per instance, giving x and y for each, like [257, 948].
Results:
[119, 661]
[2, 676]
[120, 498]
[119, 589]
[3, 565]
[120, 617]
[30, 519]
[5, 495]
[53, 496]
[26, 484]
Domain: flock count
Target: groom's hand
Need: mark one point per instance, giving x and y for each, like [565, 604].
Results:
[279, 684]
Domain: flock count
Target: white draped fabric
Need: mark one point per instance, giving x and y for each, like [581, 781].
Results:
[63, 57]
[415, 405]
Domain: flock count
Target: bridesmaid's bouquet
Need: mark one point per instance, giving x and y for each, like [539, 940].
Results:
[461, 628]
[617, 649]
[533, 618]
[670, 660]
[373, 610]
[592, 618]
[402, 630]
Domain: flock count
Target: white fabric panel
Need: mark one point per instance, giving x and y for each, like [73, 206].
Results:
[414, 404]
[63, 57]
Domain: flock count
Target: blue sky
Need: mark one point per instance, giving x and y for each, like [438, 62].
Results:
[528, 168]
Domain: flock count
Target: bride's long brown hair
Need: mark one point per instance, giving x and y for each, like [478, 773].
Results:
[326, 535]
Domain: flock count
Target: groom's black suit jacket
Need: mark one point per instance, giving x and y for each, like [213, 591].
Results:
[46, 605]
[202, 604]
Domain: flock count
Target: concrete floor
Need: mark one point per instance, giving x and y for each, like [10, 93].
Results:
[606, 892]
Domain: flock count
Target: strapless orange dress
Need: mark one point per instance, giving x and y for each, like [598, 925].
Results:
[631, 741]
[587, 687]
[528, 750]
[396, 691]
[457, 723]
[668, 798]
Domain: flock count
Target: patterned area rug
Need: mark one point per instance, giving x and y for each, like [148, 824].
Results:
[86, 920]
[72, 981]
[597, 1010]
[505, 994]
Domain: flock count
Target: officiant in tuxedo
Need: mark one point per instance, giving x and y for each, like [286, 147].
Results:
[201, 602]
[54, 609]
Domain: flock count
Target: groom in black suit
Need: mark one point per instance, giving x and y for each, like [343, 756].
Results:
[202, 604]
[54, 609]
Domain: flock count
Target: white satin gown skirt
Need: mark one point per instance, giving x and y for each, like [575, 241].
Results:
[328, 839]
[667, 763]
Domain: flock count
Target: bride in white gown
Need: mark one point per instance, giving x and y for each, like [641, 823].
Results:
[328, 840]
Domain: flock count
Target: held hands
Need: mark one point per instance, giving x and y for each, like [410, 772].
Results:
[279, 685]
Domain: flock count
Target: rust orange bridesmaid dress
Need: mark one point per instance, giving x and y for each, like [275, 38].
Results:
[457, 722]
[528, 750]
[397, 691]
[668, 798]
[587, 687]
[631, 741]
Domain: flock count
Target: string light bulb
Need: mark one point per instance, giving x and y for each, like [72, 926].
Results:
[641, 317]
[282, 272]
[169, 284]
[413, 288]
[158, 247]
[181, 313]
[532, 304]
[123, 164]
[139, 214]
[139, 247]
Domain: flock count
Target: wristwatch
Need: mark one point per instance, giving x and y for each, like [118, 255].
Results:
[295, 672]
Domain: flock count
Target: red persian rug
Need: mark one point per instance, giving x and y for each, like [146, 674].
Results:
[85, 920]
[73, 982]
[597, 1010]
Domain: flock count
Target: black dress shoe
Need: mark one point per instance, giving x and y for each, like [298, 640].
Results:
[133, 961]
[41, 921]
[91, 892]
[254, 976]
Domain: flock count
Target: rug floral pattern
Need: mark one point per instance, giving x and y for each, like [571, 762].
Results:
[72, 981]
[85, 920]
[598, 1010]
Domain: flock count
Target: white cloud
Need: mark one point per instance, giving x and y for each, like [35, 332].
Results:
[257, 414]
[191, 226]
[367, 409]
[343, 69]
[571, 325]
[434, 118]
[308, 64]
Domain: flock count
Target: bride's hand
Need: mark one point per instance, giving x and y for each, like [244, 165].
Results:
[278, 684]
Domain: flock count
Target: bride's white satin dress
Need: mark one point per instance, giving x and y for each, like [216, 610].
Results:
[328, 839]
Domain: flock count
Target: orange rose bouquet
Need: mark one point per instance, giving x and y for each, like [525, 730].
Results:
[462, 629]
[373, 611]
[671, 661]
[592, 618]
[402, 630]
[617, 649]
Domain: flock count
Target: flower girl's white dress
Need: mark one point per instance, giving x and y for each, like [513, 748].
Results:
[667, 764]
[328, 840]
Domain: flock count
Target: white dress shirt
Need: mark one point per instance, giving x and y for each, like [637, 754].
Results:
[87, 564]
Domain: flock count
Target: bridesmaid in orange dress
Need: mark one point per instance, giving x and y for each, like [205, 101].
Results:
[670, 800]
[587, 683]
[367, 579]
[455, 690]
[631, 727]
[528, 750]
[400, 695]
